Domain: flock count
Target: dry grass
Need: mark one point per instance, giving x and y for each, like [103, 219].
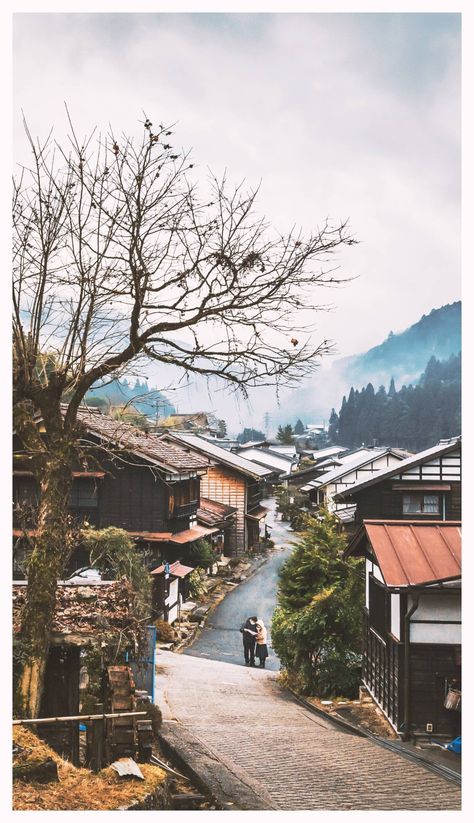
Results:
[78, 789]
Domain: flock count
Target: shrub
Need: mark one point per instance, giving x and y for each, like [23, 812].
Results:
[164, 631]
[197, 587]
[202, 554]
[317, 626]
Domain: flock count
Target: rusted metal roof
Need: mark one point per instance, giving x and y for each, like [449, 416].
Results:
[189, 535]
[258, 513]
[177, 569]
[415, 553]
[213, 513]
[153, 537]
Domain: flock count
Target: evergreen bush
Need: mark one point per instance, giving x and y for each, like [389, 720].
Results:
[317, 626]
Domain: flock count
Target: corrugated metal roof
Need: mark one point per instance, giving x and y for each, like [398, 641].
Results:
[258, 513]
[188, 535]
[177, 569]
[321, 454]
[126, 767]
[221, 455]
[414, 553]
[212, 513]
[441, 448]
[267, 459]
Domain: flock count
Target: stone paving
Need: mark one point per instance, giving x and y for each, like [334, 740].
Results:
[299, 760]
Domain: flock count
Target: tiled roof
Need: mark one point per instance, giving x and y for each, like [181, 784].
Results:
[413, 553]
[116, 433]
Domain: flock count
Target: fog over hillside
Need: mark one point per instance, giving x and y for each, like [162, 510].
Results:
[403, 355]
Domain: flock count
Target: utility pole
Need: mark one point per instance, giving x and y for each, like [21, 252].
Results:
[266, 422]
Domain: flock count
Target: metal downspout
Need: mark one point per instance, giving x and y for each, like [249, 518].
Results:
[406, 667]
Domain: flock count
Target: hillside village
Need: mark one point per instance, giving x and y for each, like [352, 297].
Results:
[236, 412]
[190, 503]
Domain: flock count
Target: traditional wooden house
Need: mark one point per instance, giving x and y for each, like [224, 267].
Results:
[426, 485]
[233, 481]
[352, 468]
[412, 622]
[131, 480]
[320, 462]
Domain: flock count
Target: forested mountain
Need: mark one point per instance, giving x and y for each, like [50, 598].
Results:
[150, 402]
[402, 356]
[415, 417]
[405, 355]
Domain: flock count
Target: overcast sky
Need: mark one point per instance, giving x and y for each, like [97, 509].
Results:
[348, 115]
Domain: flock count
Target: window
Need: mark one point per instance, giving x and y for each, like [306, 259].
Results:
[84, 494]
[420, 504]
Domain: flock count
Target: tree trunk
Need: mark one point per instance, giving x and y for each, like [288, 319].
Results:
[52, 548]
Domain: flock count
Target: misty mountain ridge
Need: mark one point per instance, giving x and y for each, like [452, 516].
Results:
[403, 356]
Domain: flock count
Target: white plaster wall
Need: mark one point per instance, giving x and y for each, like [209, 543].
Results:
[357, 475]
[368, 569]
[435, 633]
[395, 615]
[437, 607]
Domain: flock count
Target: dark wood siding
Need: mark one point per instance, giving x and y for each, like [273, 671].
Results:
[432, 668]
[60, 699]
[133, 498]
[381, 502]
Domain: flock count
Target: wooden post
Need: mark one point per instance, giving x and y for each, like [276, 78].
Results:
[97, 742]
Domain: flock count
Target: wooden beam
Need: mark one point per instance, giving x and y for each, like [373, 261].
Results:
[72, 718]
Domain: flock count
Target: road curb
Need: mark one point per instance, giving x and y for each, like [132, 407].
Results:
[337, 721]
[231, 789]
[392, 745]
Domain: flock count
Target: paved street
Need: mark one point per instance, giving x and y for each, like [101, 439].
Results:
[289, 757]
[292, 758]
[221, 639]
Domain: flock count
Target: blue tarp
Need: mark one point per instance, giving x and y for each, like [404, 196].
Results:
[455, 745]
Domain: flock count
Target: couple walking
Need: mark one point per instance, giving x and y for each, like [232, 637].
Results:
[254, 636]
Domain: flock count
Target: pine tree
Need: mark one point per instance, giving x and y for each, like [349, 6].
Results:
[333, 428]
[299, 428]
[285, 434]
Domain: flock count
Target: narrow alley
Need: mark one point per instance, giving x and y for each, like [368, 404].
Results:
[257, 747]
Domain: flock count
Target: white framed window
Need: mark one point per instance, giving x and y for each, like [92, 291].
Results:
[421, 504]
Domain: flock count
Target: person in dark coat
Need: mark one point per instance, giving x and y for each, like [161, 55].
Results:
[249, 636]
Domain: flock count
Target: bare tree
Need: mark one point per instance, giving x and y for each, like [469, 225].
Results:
[117, 258]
